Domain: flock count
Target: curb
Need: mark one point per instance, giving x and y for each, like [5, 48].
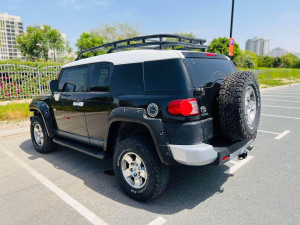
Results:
[14, 131]
[278, 87]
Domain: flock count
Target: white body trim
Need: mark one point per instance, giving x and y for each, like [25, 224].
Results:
[127, 57]
[194, 155]
[200, 154]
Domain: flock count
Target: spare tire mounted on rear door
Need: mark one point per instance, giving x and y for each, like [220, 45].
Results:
[239, 106]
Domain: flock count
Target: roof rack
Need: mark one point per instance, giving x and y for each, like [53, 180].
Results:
[149, 42]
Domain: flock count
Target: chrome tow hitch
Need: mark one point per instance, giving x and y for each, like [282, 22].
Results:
[245, 153]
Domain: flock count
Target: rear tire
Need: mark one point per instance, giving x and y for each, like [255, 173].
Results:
[39, 137]
[239, 106]
[138, 169]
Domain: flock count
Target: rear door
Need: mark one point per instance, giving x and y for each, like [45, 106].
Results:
[70, 101]
[208, 73]
[97, 102]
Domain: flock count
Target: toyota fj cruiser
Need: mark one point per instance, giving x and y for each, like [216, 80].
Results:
[166, 103]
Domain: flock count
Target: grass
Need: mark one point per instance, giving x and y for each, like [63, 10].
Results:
[14, 111]
[270, 77]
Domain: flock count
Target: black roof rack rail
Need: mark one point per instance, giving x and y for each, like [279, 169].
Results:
[147, 42]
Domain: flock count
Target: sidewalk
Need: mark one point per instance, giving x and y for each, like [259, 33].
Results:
[15, 101]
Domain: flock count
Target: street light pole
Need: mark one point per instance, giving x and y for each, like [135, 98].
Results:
[232, 11]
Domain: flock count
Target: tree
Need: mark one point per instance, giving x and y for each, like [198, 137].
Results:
[39, 40]
[289, 60]
[221, 46]
[246, 59]
[187, 34]
[88, 40]
[297, 64]
[115, 32]
[265, 61]
[277, 62]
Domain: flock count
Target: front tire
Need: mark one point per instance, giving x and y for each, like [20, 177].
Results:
[39, 137]
[138, 169]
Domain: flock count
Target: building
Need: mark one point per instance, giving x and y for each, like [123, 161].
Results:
[258, 45]
[10, 27]
[278, 52]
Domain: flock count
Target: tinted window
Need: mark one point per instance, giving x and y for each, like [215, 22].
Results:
[73, 79]
[128, 79]
[165, 75]
[100, 78]
[204, 71]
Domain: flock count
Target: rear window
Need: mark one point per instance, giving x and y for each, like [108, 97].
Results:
[165, 75]
[128, 79]
[204, 71]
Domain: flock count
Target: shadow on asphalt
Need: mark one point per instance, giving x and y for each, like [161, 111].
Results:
[188, 186]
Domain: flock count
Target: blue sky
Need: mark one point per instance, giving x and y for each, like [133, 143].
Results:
[276, 20]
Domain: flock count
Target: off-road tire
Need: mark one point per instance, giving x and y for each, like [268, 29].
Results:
[231, 106]
[48, 145]
[158, 174]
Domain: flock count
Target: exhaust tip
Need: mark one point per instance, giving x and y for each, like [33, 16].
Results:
[250, 147]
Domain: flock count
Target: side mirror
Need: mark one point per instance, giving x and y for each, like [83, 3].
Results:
[53, 86]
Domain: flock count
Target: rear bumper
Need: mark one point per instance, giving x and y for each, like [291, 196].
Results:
[203, 154]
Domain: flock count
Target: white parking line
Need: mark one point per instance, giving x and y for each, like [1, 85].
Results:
[81, 209]
[282, 134]
[276, 106]
[281, 96]
[158, 221]
[276, 100]
[278, 135]
[286, 117]
[239, 164]
[268, 132]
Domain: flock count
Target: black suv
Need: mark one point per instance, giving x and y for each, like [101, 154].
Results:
[165, 104]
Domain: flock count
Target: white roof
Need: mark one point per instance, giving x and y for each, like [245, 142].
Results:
[133, 56]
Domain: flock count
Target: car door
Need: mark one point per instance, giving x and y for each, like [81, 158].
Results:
[97, 102]
[68, 103]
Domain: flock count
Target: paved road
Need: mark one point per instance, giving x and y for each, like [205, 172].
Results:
[68, 187]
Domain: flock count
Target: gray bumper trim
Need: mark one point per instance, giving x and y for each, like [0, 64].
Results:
[194, 155]
[200, 154]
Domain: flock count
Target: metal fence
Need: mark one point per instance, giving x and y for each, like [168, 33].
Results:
[23, 82]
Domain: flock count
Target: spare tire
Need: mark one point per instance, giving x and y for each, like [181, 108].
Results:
[239, 106]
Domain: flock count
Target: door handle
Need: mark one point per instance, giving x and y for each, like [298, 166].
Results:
[80, 104]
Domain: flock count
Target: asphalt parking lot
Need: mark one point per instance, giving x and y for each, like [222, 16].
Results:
[68, 187]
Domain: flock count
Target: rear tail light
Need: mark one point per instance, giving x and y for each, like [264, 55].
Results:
[210, 54]
[225, 158]
[184, 107]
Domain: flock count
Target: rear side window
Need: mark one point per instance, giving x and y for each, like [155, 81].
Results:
[204, 71]
[100, 78]
[165, 75]
[128, 79]
[73, 79]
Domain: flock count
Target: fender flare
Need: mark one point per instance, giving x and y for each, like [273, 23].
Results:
[138, 115]
[46, 114]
